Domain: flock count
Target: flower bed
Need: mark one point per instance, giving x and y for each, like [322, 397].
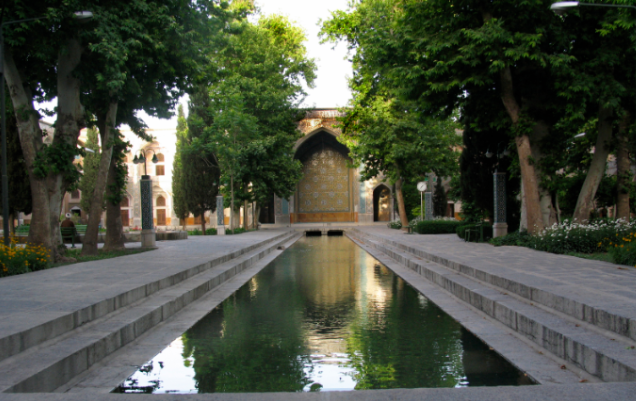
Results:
[618, 237]
[22, 259]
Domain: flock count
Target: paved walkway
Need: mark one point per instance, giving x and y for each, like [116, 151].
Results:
[36, 298]
[32, 299]
[599, 284]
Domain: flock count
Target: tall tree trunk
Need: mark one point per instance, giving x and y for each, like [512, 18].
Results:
[106, 125]
[548, 212]
[585, 201]
[115, 238]
[400, 200]
[47, 192]
[203, 222]
[622, 169]
[529, 179]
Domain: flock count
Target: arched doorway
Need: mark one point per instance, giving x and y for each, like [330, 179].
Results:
[267, 214]
[382, 203]
[324, 194]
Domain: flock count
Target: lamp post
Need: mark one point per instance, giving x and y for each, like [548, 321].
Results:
[562, 7]
[148, 238]
[79, 15]
[500, 226]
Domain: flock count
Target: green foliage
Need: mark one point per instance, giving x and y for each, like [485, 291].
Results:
[440, 201]
[251, 110]
[90, 166]
[19, 260]
[199, 176]
[396, 225]
[116, 190]
[437, 226]
[623, 249]
[568, 237]
[57, 158]
[19, 186]
[476, 231]
[179, 202]
[208, 231]
[238, 230]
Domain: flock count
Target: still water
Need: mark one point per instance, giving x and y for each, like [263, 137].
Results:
[324, 316]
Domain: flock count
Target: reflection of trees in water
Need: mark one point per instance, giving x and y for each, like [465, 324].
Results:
[485, 368]
[405, 344]
[250, 347]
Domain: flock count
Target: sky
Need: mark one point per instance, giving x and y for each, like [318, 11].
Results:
[330, 87]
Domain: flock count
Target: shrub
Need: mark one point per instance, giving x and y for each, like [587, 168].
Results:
[515, 238]
[486, 227]
[437, 226]
[196, 231]
[623, 249]
[585, 238]
[239, 230]
[22, 259]
[395, 224]
[210, 231]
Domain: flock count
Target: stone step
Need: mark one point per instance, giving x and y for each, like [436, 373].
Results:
[50, 364]
[619, 323]
[597, 351]
[31, 332]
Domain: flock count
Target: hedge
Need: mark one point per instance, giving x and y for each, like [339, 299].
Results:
[436, 226]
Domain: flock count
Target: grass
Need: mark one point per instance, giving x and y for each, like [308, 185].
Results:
[600, 256]
[75, 253]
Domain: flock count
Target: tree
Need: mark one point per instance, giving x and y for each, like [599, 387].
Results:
[385, 132]
[253, 110]
[440, 202]
[200, 173]
[90, 168]
[19, 189]
[133, 54]
[179, 197]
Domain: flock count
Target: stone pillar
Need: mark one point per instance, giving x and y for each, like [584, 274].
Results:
[148, 236]
[428, 205]
[220, 220]
[500, 227]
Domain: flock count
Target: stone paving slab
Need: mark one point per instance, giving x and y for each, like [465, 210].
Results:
[598, 292]
[574, 392]
[41, 305]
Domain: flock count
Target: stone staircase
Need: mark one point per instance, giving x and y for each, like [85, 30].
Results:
[46, 356]
[598, 341]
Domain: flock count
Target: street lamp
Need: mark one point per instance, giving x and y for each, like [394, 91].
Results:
[142, 159]
[148, 237]
[80, 16]
[561, 7]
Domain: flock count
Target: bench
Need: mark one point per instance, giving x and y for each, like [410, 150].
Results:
[69, 233]
[479, 230]
[81, 228]
[22, 231]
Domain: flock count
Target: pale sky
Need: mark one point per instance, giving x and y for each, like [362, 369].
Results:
[330, 87]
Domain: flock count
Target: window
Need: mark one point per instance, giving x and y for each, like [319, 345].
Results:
[124, 202]
[160, 170]
[160, 158]
[75, 194]
[161, 201]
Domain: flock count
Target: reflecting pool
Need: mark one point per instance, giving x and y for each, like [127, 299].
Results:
[324, 316]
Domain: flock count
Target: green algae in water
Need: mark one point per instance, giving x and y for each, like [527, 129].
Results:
[324, 316]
